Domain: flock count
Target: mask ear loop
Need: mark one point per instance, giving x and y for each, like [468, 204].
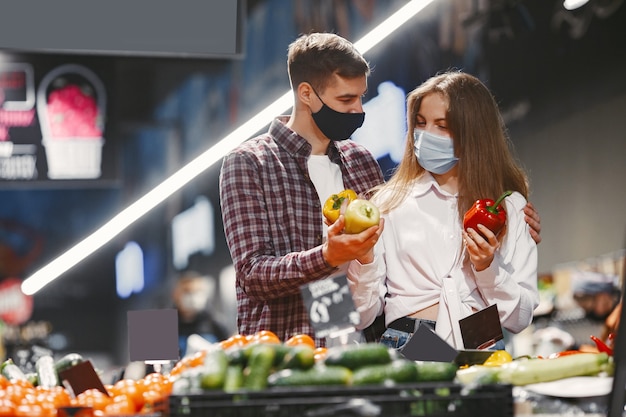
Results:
[318, 96]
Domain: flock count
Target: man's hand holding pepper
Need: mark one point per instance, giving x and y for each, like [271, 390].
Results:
[534, 221]
[341, 247]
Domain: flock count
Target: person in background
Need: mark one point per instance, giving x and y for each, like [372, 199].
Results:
[426, 268]
[600, 297]
[273, 186]
[190, 295]
[596, 293]
[611, 325]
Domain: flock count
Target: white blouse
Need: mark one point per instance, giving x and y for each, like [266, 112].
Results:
[420, 261]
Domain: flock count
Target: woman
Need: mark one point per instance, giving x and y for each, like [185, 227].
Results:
[425, 268]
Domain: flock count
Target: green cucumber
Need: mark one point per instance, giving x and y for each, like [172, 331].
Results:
[32, 378]
[281, 351]
[188, 382]
[236, 355]
[355, 356]
[11, 371]
[213, 370]
[399, 370]
[477, 375]
[430, 371]
[233, 380]
[301, 357]
[260, 364]
[47, 376]
[318, 375]
[68, 361]
[530, 371]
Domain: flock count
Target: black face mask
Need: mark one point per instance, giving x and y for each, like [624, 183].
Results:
[336, 125]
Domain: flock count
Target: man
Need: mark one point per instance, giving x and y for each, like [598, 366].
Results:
[272, 189]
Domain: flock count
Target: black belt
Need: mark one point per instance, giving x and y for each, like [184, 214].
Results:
[409, 324]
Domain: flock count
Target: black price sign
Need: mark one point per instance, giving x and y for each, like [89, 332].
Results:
[330, 305]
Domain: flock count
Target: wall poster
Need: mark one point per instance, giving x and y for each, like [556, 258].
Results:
[53, 120]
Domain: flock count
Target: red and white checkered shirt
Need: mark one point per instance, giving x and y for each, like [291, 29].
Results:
[272, 220]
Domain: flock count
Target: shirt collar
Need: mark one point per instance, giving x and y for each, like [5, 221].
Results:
[295, 144]
[425, 183]
[291, 141]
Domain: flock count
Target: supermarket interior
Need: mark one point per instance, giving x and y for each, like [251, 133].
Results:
[111, 223]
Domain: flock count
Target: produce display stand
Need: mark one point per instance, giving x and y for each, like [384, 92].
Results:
[617, 398]
[401, 400]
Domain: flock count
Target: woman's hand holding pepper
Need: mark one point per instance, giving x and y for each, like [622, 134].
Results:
[481, 251]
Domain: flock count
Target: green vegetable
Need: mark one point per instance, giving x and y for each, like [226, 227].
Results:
[259, 366]
[11, 371]
[355, 356]
[233, 380]
[236, 355]
[188, 382]
[302, 357]
[435, 371]
[532, 371]
[67, 361]
[46, 372]
[399, 370]
[32, 378]
[478, 375]
[318, 375]
[281, 351]
[214, 369]
[360, 215]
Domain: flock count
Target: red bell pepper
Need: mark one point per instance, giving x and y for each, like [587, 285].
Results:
[602, 347]
[488, 213]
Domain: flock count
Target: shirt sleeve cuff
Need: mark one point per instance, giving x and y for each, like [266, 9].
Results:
[489, 275]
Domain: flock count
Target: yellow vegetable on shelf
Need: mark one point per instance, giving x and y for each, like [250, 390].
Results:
[498, 357]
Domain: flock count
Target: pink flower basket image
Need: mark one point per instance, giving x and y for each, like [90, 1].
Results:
[71, 103]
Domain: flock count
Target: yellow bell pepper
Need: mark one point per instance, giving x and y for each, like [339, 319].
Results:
[498, 357]
[333, 203]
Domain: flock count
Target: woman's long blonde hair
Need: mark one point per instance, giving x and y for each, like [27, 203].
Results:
[486, 166]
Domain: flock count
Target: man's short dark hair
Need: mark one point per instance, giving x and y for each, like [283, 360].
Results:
[316, 57]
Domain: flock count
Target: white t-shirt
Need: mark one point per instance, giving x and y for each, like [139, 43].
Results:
[326, 177]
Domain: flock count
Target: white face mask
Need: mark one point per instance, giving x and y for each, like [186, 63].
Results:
[434, 153]
[194, 302]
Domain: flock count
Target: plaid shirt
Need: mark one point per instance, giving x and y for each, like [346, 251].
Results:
[273, 224]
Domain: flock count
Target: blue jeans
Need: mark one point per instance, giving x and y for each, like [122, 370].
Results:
[396, 339]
